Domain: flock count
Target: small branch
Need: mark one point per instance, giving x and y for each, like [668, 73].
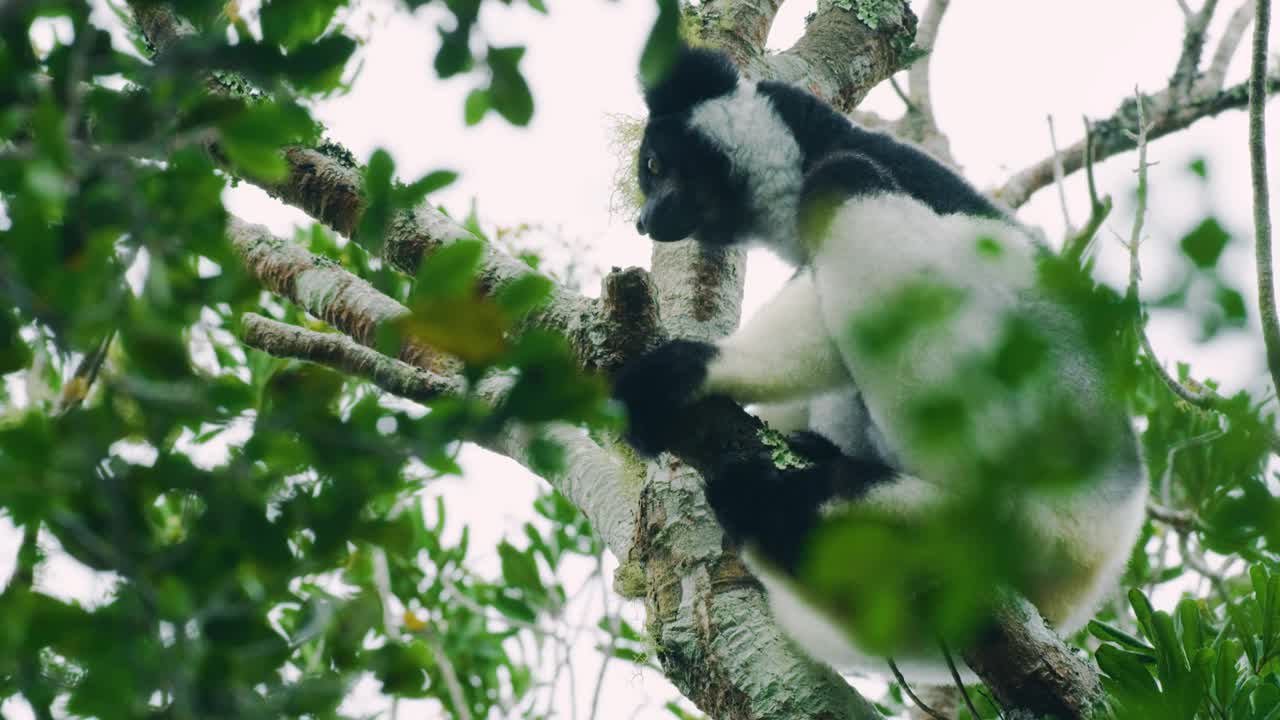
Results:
[1078, 245]
[1058, 176]
[1180, 520]
[1214, 77]
[76, 388]
[906, 688]
[322, 288]
[1261, 198]
[955, 677]
[1193, 37]
[342, 353]
[1169, 114]
[920, 92]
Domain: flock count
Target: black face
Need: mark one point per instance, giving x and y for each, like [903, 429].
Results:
[688, 186]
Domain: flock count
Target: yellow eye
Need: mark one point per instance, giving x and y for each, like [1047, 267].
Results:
[652, 165]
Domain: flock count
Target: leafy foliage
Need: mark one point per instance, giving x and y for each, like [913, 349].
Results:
[261, 521]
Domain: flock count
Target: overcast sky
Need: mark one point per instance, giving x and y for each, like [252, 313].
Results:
[1000, 67]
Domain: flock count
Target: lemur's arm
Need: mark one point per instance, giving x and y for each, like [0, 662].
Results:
[783, 353]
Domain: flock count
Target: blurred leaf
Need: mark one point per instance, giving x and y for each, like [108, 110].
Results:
[1204, 244]
[477, 104]
[292, 23]
[662, 45]
[508, 92]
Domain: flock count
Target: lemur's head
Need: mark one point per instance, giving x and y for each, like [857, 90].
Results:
[716, 162]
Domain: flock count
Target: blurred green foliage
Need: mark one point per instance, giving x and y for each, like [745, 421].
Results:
[261, 521]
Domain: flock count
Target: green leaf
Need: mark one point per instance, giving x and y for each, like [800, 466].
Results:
[454, 55]
[318, 66]
[520, 296]
[448, 272]
[508, 91]
[413, 193]
[292, 23]
[476, 106]
[1204, 244]
[519, 568]
[1110, 633]
[662, 45]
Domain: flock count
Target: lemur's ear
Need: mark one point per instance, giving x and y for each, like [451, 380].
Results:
[696, 75]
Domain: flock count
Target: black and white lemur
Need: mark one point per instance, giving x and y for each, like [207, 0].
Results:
[726, 161]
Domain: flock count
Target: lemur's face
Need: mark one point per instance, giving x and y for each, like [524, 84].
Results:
[688, 186]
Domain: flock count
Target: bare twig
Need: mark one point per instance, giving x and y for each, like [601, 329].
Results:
[1205, 399]
[1079, 244]
[1193, 37]
[76, 388]
[955, 676]
[1058, 175]
[921, 96]
[906, 688]
[1261, 199]
[1214, 77]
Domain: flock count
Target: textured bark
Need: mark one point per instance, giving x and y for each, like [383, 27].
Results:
[1037, 672]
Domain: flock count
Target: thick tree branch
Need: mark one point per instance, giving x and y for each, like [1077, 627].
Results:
[1168, 115]
[1034, 669]
[322, 288]
[342, 353]
[840, 59]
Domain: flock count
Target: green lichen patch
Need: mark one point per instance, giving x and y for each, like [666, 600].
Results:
[781, 453]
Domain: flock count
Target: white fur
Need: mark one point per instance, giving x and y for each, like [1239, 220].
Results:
[800, 346]
[744, 125]
[773, 357]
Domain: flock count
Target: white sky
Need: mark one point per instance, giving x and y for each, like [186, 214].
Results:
[1000, 67]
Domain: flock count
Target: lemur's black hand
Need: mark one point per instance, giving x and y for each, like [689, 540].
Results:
[657, 387]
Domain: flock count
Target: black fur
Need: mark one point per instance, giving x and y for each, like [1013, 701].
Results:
[822, 132]
[694, 76]
[774, 510]
[657, 387]
[695, 190]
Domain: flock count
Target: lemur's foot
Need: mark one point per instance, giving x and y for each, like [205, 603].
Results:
[775, 510]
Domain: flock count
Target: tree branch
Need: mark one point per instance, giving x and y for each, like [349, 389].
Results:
[839, 58]
[1216, 75]
[918, 123]
[1261, 198]
[1168, 115]
[1193, 37]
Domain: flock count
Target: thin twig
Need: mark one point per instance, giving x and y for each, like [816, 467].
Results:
[906, 688]
[1205, 399]
[76, 388]
[955, 675]
[902, 94]
[614, 629]
[1079, 244]
[1216, 75]
[1058, 175]
[1261, 199]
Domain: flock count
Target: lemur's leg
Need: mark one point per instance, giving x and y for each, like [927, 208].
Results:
[782, 354]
